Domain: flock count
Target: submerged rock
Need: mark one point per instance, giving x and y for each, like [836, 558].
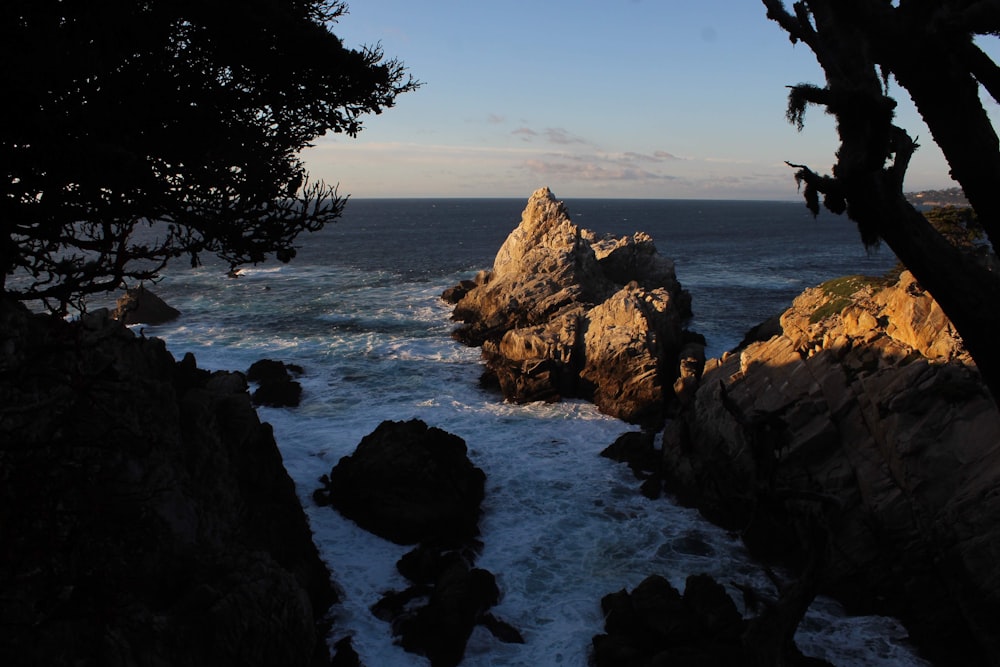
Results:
[863, 424]
[563, 313]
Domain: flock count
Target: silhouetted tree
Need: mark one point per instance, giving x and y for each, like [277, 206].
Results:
[133, 132]
[929, 48]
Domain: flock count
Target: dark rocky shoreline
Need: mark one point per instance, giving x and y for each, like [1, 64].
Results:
[145, 515]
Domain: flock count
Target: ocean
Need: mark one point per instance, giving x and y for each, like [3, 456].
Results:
[359, 310]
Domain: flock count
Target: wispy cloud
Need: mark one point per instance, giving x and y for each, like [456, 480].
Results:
[557, 135]
[554, 135]
[513, 168]
[590, 169]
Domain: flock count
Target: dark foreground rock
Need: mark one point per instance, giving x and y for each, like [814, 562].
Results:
[414, 484]
[140, 306]
[409, 483]
[145, 515]
[563, 313]
[657, 625]
[449, 597]
[276, 386]
[639, 451]
[859, 436]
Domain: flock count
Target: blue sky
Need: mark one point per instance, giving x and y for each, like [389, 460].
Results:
[618, 98]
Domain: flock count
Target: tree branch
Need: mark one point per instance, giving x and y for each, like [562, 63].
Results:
[983, 68]
[981, 18]
[798, 27]
[815, 185]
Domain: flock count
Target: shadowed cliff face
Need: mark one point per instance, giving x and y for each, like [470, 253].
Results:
[862, 426]
[145, 516]
[565, 314]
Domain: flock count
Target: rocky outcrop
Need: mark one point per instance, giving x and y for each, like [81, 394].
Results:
[860, 436]
[563, 313]
[436, 615]
[414, 484]
[275, 384]
[408, 483]
[140, 306]
[145, 515]
[656, 624]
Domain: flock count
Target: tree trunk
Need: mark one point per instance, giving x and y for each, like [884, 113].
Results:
[858, 44]
[967, 292]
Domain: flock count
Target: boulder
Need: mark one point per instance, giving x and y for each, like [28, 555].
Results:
[140, 306]
[147, 517]
[864, 425]
[276, 388]
[408, 483]
[563, 313]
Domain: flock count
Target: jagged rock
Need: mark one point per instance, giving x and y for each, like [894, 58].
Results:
[455, 603]
[629, 339]
[436, 615]
[140, 306]
[408, 483]
[656, 625]
[147, 517]
[637, 449]
[455, 294]
[565, 314]
[864, 419]
[344, 654]
[276, 388]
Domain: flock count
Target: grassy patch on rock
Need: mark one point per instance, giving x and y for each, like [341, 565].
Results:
[839, 294]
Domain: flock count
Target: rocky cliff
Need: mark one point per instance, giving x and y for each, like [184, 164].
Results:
[860, 438]
[145, 515]
[564, 313]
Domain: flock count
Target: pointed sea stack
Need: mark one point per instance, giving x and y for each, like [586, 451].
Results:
[565, 314]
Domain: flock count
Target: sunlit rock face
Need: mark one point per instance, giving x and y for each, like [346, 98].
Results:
[863, 423]
[563, 313]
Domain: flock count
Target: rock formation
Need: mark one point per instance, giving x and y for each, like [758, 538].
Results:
[656, 624]
[140, 306]
[408, 483]
[414, 484]
[860, 437]
[565, 314]
[275, 386]
[145, 515]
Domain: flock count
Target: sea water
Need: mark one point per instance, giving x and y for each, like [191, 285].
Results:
[359, 309]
